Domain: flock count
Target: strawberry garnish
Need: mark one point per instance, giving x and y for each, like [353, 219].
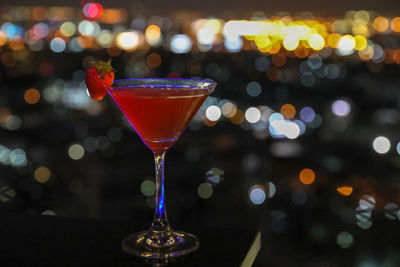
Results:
[99, 78]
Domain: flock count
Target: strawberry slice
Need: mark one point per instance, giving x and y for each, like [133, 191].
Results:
[99, 78]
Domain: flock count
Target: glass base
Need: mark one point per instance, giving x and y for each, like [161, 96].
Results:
[149, 245]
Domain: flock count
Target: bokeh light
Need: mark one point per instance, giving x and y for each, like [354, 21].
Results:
[345, 190]
[381, 144]
[341, 107]
[257, 195]
[288, 111]
[32, 96]
[76, 151]
[42, 174]
[252, 115]
[128, 40]
[344, 239]
[307, 176]
[180, 43]
[205, 190]
[213, 113]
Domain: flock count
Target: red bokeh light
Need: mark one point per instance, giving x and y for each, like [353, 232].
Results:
[173, 75]
[93, 10]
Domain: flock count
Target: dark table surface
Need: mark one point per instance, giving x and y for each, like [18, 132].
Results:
[32, 240]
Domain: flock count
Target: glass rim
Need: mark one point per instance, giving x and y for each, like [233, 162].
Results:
[201, 84]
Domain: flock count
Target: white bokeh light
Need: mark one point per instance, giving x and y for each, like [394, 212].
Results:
[252, 115]
[213, 113]
[381, 145]
[341, 108]
[180, 43]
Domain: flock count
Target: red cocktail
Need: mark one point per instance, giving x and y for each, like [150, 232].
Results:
[160, 110]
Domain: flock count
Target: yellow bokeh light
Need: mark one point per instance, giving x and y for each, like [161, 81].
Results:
[345, 190]
[361, 29]
[32, 96]
[361, 42]
[316, 41]
[213, 24]
[68, 28]
[262, 41]
[395, 24]
[42, 174]
[333, 40]
[153, 32]
[381, 24]
[307, 176]
[290, 42]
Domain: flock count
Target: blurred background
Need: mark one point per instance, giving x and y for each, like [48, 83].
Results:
[299, 139]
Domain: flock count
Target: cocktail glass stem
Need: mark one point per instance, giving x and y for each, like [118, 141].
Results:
[160, 222]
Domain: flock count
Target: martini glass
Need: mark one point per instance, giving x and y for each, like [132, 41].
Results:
[159, 110]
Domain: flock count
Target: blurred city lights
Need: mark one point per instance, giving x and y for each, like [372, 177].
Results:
[228, 109]
[346, 45]
[257, 195]
[391, 210]
[316, 41]
[381, 144]
[344, 239]
[288, 111]
[307, 176]
[128, 40]
[42, 174]
[252, 115]
[367, 202]
[213, 113]
[205, 190]
[68, 28]
[58, 45]
[18, 158]
[180, 43]
[148, 188]
[345, 190]
[341, 107]
[93, 10]
[307, 114]
[32, 96]
[253, 89]
[76, 151]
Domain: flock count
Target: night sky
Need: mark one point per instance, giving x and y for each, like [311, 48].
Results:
[319, 7]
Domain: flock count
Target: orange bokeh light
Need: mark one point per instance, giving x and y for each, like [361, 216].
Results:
[396, 56]
[307, 176]
[32, 96]
[288, 111]
[395, 24]
[345, 190]
[381, 24]
[3, 39]
[153, 60]
[279, 59]
[238, 118]
[153, 32]
[333, 40]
